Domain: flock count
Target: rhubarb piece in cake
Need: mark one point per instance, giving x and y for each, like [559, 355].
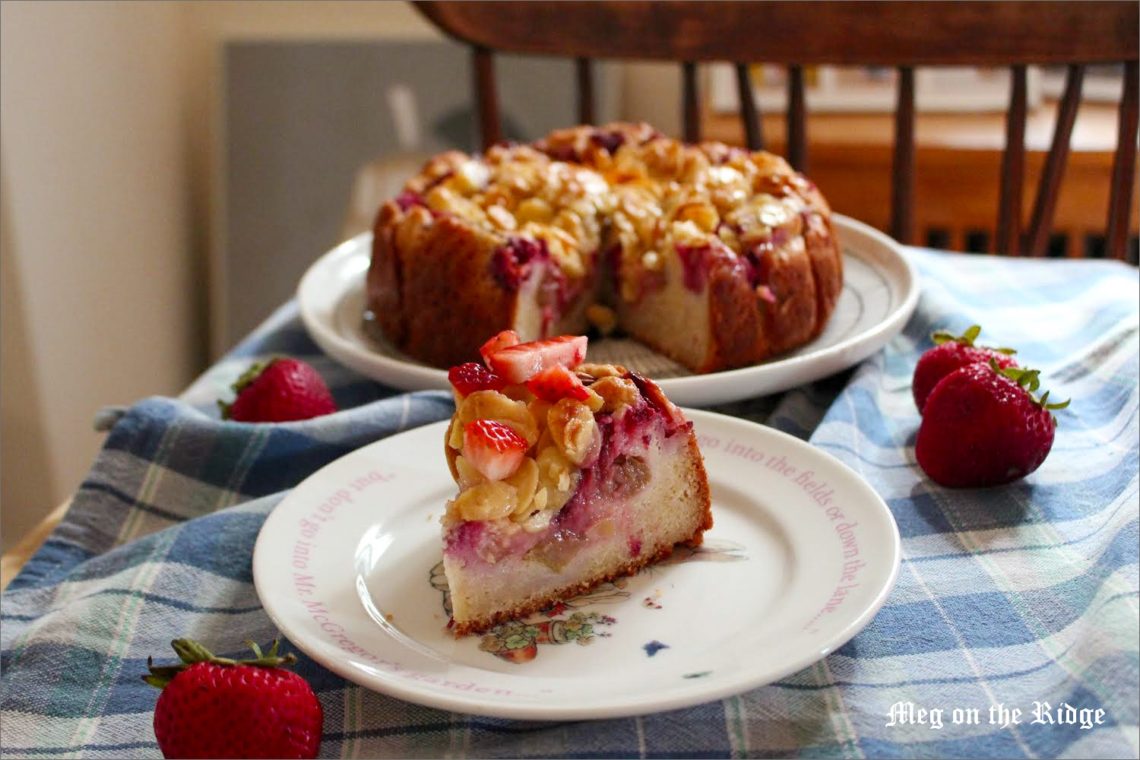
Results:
[569, 474]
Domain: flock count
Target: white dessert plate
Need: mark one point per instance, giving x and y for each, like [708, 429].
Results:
[879, 295]
[802, 555]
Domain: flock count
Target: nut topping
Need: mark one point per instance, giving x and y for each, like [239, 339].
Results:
[485, 501]
[525, 482]
[616, 392]
[574, 431]
[557, 475]
[602, 370]
[467, 475]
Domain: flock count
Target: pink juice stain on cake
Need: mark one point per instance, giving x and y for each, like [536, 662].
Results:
[513, 261]
[408, 200]
[694, 266]
[465, 538]
[554, 295]
[757, 258]
[610, 141]
[564, 153]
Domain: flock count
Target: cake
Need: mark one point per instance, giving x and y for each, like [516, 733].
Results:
[569, 474]
[714, 256]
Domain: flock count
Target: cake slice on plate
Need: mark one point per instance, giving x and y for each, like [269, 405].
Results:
[569, 474]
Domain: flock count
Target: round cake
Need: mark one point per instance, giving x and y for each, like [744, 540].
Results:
[715, 256]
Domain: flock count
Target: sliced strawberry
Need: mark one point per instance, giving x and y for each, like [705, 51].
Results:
[505, 339]
[493, 448]
[472, 376]
[556, 383]
[522, 362]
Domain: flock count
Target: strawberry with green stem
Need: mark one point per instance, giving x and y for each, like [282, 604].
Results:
[214, 706]
[983, 426]
[950, 353]
[282, 389]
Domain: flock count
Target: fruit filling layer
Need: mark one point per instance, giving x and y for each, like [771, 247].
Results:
[545, 450]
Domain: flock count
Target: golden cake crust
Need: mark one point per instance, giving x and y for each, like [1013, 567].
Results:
[428, 289]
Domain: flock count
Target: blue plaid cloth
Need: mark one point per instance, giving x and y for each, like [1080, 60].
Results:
[1008, 598]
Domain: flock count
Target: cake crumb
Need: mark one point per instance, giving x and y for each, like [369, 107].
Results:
[651, 603]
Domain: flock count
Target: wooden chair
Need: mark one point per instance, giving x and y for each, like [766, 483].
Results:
[902, 35]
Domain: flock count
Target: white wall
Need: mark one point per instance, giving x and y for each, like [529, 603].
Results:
[208, 25]
[652, 92]
[107, 200]
[98, 280]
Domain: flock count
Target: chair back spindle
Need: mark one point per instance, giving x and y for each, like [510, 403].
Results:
[691, 109]
[487, 99]
[585, 77]
[902, 164]
[1123, 166]
[797, 119]
[1042, 219]
[749, 113]
[1008, 236]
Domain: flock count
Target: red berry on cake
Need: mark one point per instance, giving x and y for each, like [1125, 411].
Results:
[952, 352]
[557, 382]
[982, 426]
[472, 376]
[521, 362]
[505, 339]
[492, 448]
[570, 474]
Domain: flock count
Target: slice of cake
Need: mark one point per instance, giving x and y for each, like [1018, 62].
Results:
[569, 474]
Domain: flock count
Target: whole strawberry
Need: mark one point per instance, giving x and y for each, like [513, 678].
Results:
[280, 390]
[982, 427]
[951, 353]
[216, 707]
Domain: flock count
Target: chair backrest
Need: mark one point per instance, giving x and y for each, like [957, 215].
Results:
[902, 35]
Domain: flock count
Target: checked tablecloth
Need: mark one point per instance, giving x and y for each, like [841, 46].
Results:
[1007, 598]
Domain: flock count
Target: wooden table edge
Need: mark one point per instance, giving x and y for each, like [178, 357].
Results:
[15, 559]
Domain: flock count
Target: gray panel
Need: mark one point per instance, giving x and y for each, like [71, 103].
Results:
[301, 118]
